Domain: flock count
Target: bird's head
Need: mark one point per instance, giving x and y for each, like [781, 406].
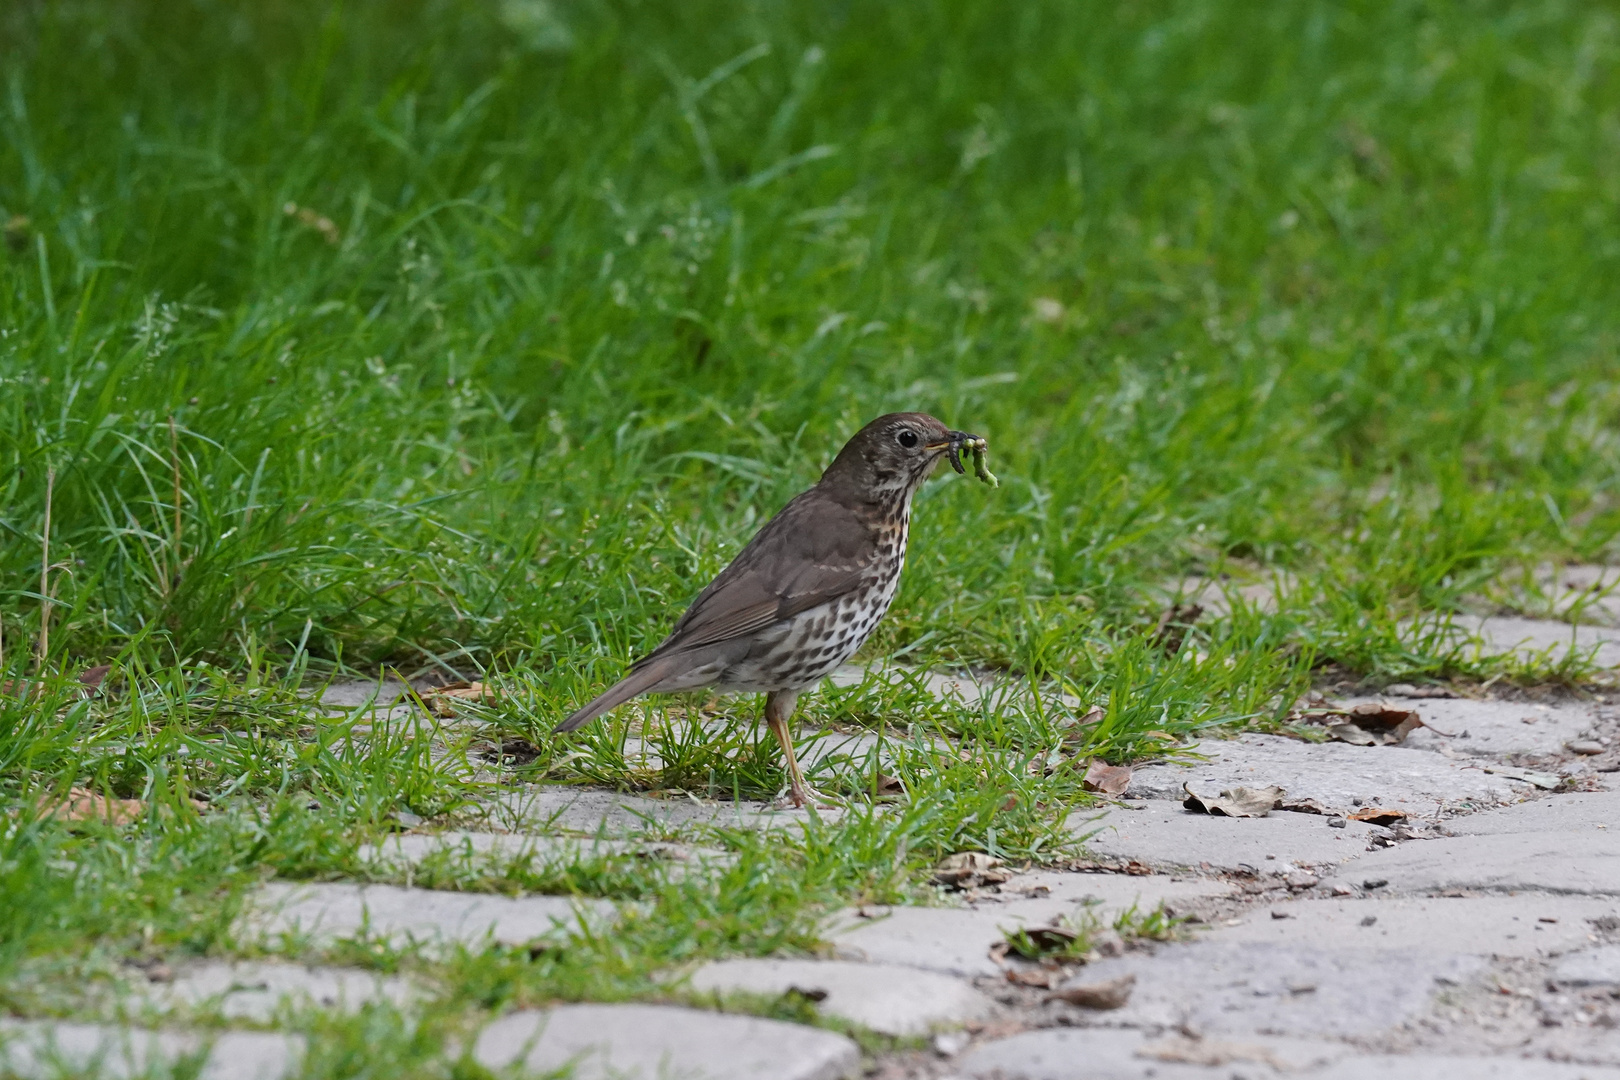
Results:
[894, 454]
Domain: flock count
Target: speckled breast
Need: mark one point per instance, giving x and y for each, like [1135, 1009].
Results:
[814, 642]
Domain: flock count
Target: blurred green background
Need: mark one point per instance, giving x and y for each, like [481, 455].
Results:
[487, 331]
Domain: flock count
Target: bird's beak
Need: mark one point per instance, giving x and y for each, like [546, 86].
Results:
[955, 442]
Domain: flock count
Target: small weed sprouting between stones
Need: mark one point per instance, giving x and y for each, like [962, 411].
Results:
[1076, 939]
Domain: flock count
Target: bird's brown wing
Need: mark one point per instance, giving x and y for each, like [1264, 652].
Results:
[814, 551]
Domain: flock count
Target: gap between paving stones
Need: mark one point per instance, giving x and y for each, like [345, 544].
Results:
[609, 1042]
[885, 998]
[1059, 1054]
[471, 850]
[328, 912]
[263, 990]
[46, 1050]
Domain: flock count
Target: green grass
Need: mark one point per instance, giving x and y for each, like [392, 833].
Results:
[478, 336]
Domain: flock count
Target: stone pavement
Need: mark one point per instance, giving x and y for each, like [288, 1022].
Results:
[1477, 936]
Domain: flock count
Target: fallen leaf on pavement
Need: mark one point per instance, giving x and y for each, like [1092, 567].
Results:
[1354, 734]
[1234, 802]
[890, 785]
[968, 869]
[81, 804]
[1209, 1052]
[1378, 815]
[1388, 721]
[1098, 995]
[92, 678]
[1174, 622]
[1040, 978]
[440, 698]
[1302, 806]
[1545, 781]
[1038, 942]
[1371, 723]
[1108, 779]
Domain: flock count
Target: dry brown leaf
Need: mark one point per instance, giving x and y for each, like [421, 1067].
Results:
[1234, 802]
[21, 688]
[1107, 779]
[1378, 815]
[1040, 978]
[1371, 723]
[1077, 730]
[81, 804]
[1098, 995]
[441, 698]
[1174, 622]
[1210, 1052]
[969, 869]
[92, 678]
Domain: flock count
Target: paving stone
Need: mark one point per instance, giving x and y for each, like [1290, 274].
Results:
[1108, 1054]
[329, 912]
[1334, 774]
[652, 1042]
[1255, 988]
[1580, 863]
[256, 991]
[1481, 926]
[886, 998]
[40, 1048]
[1492, 729]
[1591, 967]
[1105, 896]
[565, 808]
[954, 941]
[1159, 832]
[1587, 591]
[476, 847]
[966, 687]
[1594, 812]
[354, 693]
[1218, 597]
[1445, 1067]
[1535, 637]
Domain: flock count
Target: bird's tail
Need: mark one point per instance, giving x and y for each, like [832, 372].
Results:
[639, 681]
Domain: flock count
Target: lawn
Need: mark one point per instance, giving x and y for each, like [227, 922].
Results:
[473, 338]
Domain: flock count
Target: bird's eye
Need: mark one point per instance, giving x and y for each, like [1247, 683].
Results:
[906, 438]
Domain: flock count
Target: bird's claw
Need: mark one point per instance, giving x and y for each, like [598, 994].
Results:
[795, 798]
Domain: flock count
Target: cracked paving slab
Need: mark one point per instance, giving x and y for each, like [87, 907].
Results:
[651, 1042]
[1111, 1054]
[327, 912]
[1162, 833]
[1528, 926]
[259, 991]
[1493, 729]
[592, 811]
[1555, 862]
[957, 940]
[46, 1049]
[472, 849]
[1561, 844]
[1315, 990]
[1338, 776]
[886, 998]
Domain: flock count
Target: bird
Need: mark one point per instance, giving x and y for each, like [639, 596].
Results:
[809, 588]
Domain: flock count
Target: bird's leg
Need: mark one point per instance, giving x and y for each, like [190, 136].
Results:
[779, 705]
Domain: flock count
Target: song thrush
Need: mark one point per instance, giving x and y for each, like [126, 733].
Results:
[807, 590]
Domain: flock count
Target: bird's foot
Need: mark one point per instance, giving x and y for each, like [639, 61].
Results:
[801, 795]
